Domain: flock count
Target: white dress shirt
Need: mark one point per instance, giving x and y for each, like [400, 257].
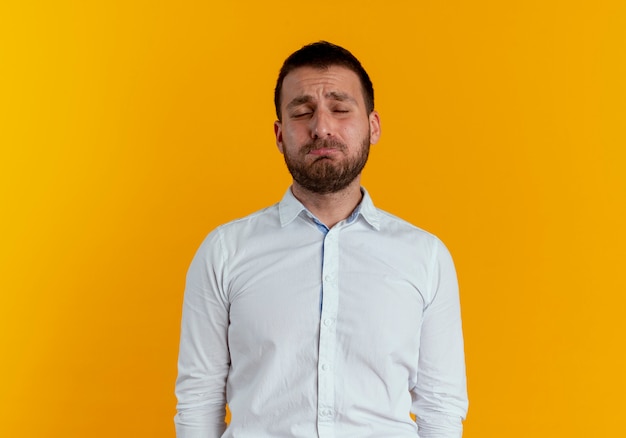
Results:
[313, 332]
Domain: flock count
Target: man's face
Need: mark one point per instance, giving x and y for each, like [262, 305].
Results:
[325, 132]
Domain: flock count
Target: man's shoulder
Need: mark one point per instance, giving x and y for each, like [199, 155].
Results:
[407, 236]
[391, 222]
[260, 218]
[230, 234]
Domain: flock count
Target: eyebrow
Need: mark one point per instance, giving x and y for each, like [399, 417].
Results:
[334, 95]
[342, 97]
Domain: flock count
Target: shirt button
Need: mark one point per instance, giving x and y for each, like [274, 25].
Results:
[328, 322]
[328, 278]
[325, 367]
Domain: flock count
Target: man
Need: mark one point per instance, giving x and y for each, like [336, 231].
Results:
[322, 316]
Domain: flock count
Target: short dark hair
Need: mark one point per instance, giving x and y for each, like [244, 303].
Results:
[323, 55]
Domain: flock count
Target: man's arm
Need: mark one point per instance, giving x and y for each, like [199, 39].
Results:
[203, 360]
[440, 395]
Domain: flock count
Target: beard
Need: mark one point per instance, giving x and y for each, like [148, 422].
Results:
[324, 176]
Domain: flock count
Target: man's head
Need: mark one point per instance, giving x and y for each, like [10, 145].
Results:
[326, 118]
[322, 55]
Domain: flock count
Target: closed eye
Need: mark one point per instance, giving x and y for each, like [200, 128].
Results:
[341, 111]
[301, 114]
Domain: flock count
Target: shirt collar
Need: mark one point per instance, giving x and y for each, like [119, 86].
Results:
[289, 208]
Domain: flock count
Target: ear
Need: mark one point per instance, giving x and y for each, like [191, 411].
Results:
[375, 130]
[278, 133]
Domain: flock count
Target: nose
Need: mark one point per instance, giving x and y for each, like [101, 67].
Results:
[321, 125]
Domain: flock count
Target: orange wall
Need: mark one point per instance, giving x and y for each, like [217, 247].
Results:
[128, 130]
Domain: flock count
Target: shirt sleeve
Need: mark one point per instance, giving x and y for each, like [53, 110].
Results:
[440, 396]
[204, 359]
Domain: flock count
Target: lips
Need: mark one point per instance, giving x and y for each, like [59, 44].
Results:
[324, 147]
[323, 151]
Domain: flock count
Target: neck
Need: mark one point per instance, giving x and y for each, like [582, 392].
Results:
[330, 208]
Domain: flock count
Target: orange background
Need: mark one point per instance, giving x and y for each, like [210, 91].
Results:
[128, 130]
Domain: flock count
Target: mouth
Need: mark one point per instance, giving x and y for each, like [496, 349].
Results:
[323, 152]
[327, 148]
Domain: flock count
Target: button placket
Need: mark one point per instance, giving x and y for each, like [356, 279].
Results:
[328, 335]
